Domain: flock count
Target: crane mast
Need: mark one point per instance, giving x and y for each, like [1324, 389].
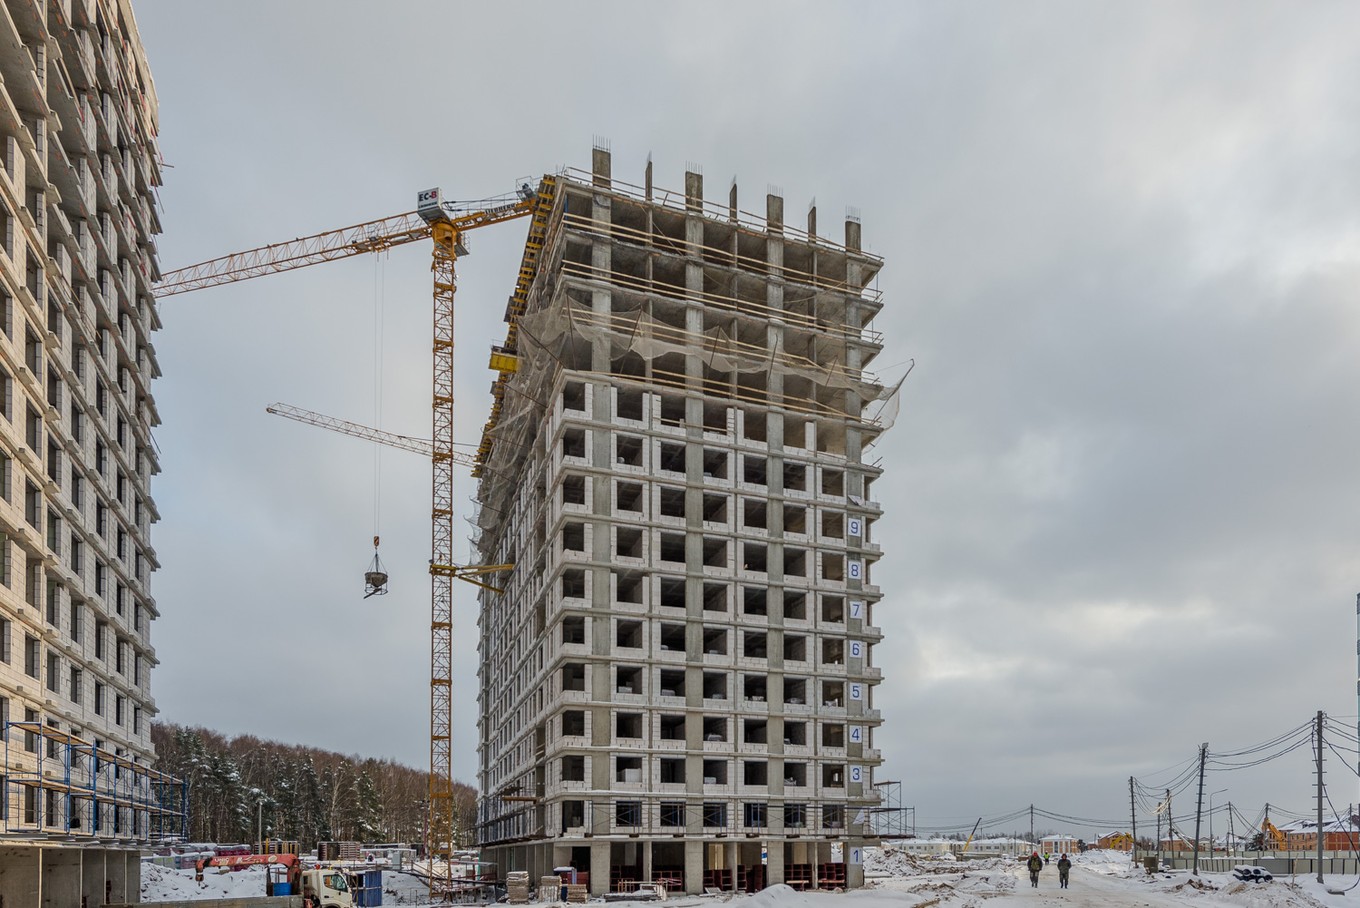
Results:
[444, 223]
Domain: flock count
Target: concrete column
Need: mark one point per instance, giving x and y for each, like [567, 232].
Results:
[694, 866]
[599, 868]
[646, 861]
[774, 870]
[20, 880]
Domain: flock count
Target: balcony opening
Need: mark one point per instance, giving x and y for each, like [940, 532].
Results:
[715, 418]
[715, 685]
[833, 651]
[672, 457]
[755, 557]
[754, 645]
[753, 426]
[573, 629]
[833, 609]
[574, 537]
[795, 605]
[753, 470]
[715, 464]
[573, 490]
[629, 404]
[673, 638]
[795, 648]
[672, 594]
[628, 680]
[628, 586]
[795, 733]
[628, 813]
[715, 728]
[628, 725]
[833, 693]
[754, 601]
[795, 432]
[672, 410]
[755, 772]
[573, 676]
[671, 728]
[627, 769]
[833, 483]
[628, 542]
[833, 524]
[715, 597]
[795, 691]
[628, 635]
[574, 768]
[833, 567]
[672, 501]
[672, 771]
[628, 451]
[715, 773]
[755, 731]
[833, 775]
[573, 814]
[673, 547]
[795, 562]
[715, 641]
[795, 477]
[753, 514]
[715, 553]
[795, 519]
[629, 496]
[574, 396]
[574, 443]
[715, 508]
[672, 681]
[753, 688]
[574, 722]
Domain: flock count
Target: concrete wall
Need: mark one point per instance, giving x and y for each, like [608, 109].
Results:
[54, 876]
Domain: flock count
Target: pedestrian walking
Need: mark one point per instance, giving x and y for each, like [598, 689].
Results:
[1035, 864]
[1064, 869]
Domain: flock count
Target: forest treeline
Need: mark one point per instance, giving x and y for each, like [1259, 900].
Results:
[300, 792]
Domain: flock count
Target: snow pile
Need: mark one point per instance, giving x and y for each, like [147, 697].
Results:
[1108, 862]
[166, 884]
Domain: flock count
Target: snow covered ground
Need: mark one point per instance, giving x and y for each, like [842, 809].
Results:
[1100, 879]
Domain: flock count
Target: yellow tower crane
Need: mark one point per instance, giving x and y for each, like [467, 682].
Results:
[444, 224]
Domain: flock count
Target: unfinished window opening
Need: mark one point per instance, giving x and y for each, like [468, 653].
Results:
[755, 731]
[795, 562]
[628, 769]
[628, 542]
[574, 396]
[574, 768]
[673, 547]
[833, 524]
[574, 537]
[753, 513]
[795, 691]
[715, 464]
[795, 605]
[672, 771]
[715, 553]
[753, 469]
[795, 648]
[753, 688]
[628, 587]
[833, 816]
[795, 774]
[628, 450]
[833, 482]
[795, 518]
[833, 567]
[672, 410]
[833, 609]
[671, 728]
[574, 443]
[628, 813]
[715, 508]
[573, 490]
[795, 432]
[629, 404]
[628, 679]
[795, 477]
[573, 676]
[628, 725]
[715, 773]
[795, 733]
[574, 584]
[755, 645]
[629, 496]
[573, 814]
[672, 593]
[672, 457]
[715, 418]
[672, 501]
[628, 635]
[574, 722]
[833, 651]
[715, 728]
[672, 813]
[673, 638]
[831, 438]
[573, 629]
[715, 597]
[833, 693]
[672, 682]
[833, 775]
[755, 557]
[755, 772]
[753, 427]
[715, 641]
[868, 485]
[715, 685]
[754, 601]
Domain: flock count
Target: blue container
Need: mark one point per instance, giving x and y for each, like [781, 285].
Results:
[369, 893]
[283, 888]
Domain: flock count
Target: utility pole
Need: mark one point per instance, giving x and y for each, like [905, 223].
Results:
[1232, 839]
[1031, 825]
[1133, 821]
[1199, 804]
[1319, 795]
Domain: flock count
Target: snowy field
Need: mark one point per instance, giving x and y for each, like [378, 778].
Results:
[1100, 879]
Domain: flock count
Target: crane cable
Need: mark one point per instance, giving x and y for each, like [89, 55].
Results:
[379, 322]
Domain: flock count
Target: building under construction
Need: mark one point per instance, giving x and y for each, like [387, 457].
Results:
[677, 682]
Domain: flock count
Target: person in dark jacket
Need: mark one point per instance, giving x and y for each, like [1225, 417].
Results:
[1064, 869]
[1035, 864]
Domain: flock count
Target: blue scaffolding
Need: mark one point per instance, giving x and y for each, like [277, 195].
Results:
[77, 790]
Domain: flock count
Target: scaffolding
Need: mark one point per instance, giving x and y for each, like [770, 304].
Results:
[57, 785]
[889, 820]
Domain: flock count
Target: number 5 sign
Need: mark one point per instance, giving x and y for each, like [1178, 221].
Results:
[856, 690]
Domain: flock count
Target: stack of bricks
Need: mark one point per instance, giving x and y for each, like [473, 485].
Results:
[578, 893]
[517, 886]
[550, 888]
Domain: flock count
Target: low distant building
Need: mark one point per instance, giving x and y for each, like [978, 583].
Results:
[1337, 835]
[1058, 844]
[1115, 841]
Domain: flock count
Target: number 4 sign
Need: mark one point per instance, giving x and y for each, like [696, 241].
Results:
[856, 734]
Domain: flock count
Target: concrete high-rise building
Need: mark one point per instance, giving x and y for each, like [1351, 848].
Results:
[678, 680]
[78, 172]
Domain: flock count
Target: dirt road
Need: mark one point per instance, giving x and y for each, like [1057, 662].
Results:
[1089, 890]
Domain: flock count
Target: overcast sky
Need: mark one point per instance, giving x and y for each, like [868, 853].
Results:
[1122, 245]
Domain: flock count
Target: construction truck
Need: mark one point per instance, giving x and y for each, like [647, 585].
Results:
[325, 888]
